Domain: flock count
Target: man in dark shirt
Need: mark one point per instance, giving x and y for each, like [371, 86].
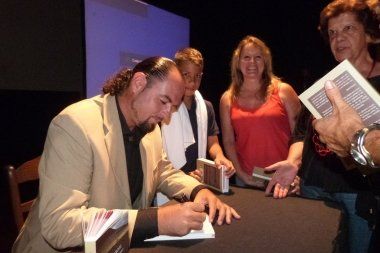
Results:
[106, 153]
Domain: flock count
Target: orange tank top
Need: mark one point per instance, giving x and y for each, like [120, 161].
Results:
[262, 134]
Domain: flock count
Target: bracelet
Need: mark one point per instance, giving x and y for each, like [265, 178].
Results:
[358, 151]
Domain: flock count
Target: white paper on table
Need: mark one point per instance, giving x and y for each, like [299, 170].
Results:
[206, 232]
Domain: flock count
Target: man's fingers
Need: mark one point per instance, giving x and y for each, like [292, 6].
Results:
[197, 223]
[211, 210]
[338, 150]
[196, 207]
[195, 175]
[227, 213]
[228, 216]
[333, 93]
[221, 215]
[198, 173]
[235, 214]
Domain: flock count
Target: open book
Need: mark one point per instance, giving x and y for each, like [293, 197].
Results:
[212, 176]
[206, 232]
[354, 88]
[106, 231]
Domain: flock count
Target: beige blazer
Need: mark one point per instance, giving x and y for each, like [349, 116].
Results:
[83, 168]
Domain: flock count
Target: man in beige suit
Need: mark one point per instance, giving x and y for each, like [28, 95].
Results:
[89, 147]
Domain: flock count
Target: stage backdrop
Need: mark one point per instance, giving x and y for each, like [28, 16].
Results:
[123, 32]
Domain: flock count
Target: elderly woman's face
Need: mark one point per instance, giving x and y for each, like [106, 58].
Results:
[348, 39]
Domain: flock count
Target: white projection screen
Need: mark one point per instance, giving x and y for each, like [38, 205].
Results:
[121, 33]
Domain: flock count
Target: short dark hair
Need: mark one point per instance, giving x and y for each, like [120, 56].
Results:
[154, 68]
[360, 8]
[189, 54]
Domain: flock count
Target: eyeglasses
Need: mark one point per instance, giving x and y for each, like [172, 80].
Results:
[188, 77]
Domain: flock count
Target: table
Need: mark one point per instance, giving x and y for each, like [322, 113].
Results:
[267, 225]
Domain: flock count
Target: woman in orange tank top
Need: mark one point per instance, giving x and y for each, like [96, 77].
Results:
[257, 112]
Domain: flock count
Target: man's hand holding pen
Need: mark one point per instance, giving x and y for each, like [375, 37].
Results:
[179, 219]
[183, 199]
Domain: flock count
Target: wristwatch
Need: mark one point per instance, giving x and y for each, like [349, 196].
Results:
[358, 151]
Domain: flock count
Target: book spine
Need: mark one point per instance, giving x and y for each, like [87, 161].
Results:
[262, 177]
[226, 184]
[225, 181]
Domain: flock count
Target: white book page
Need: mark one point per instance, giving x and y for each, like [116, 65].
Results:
[206, 232]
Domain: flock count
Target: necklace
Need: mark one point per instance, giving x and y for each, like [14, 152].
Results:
[372, 67]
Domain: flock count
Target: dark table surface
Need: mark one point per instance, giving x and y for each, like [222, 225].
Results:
[267, 225]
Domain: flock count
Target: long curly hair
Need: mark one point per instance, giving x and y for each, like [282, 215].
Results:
[154, 68]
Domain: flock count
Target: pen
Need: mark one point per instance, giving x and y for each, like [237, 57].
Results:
[207, 209]
[183, 198]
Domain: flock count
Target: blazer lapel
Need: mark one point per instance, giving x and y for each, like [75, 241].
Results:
[115, 145]
[148, 162]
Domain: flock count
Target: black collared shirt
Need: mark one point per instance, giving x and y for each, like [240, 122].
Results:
[146, 224]
[132, 153]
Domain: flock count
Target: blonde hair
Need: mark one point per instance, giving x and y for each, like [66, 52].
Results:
[237, 78]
